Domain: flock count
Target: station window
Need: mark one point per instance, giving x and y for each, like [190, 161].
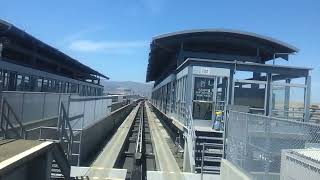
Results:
[26, 83]
[19, 86]
[44, 85]
[203, 98]
[39, 85]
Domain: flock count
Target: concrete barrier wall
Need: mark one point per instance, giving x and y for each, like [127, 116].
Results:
[95, 135]
[229, 171]
[118, 105]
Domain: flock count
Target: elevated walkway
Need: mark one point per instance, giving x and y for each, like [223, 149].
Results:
[27, 159]
[165, 175]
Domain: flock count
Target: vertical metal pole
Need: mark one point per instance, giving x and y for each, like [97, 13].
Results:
[1, 48]
[7, 120]
[22, 108]
[202, 156]
[2, 113]
[232, 87]
[307, 95]
[269, 95]
[40, 133]
[287, 99]
[43, 105]
[94, 111]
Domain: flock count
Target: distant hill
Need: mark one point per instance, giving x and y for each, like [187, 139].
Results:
[128, 87]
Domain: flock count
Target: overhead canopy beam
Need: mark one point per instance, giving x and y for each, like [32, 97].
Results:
[252, 67]
[216, 56]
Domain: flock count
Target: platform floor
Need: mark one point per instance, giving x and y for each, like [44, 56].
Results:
[10, 147]
[164, 157]
[100, 173]
[160, 175]
[107, 158]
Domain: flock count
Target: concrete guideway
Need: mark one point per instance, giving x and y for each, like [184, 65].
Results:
[109, 155]
[164, 157]
[161, 175]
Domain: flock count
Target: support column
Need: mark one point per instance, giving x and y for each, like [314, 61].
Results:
[307, 95]
[269, 95]
[287, 98]
[12, 81]
[231, 88]
[1, 49]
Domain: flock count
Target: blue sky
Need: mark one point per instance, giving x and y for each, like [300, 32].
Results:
[113, 36]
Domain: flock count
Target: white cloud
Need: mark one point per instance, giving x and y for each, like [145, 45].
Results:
[82, 33]
[154, 6]
[106, 46]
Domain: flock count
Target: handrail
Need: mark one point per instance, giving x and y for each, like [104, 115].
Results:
[204, 146]
[6, 117]
[191, 132]
[62, 123]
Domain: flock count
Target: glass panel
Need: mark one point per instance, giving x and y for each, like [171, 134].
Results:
[288, 102]
[251, 95]
[19, 83]
[39, 85]
[202, 110]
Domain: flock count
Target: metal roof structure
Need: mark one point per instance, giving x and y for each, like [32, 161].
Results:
[22, 48]
[170, 50]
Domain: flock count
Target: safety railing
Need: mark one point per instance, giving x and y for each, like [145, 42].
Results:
[254, 142]
[66, 134]
[315, 114]
[9, 121]
[205, 147]
[191, 135]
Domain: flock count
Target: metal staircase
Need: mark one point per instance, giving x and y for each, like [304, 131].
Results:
[60, 167]
[63, 136]
[208, 151]
[63, 133]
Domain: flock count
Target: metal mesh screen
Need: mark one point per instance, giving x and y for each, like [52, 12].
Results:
[254, 142]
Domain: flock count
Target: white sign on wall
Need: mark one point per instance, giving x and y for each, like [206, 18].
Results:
[211, 71]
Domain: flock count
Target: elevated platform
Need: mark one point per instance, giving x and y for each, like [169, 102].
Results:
[100, 173]
[168, 175]
[28, 159]
[10, 149]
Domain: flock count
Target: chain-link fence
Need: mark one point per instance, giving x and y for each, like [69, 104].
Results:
[254, 142]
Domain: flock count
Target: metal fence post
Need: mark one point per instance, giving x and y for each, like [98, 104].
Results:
[202, 156]
[22, 108]
[267, 147]
[94, 110]
[43, 105]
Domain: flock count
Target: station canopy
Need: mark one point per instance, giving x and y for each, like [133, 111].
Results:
[24, 49]
[166, 49]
